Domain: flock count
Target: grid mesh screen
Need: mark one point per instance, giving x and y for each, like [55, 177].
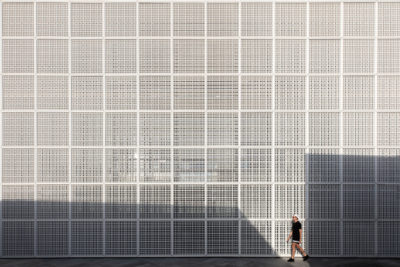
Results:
[178, 128]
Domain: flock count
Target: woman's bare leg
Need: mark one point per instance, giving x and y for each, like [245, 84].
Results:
[301, 249]
[293, 249]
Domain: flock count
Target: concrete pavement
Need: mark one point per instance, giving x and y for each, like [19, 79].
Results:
[197, 262]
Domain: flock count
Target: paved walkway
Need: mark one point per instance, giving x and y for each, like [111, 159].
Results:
[197, 262]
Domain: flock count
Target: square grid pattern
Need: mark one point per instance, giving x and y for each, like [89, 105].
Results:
[173, 128]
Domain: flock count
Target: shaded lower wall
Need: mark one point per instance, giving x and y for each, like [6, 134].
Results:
[121, 234]
[353, 204]
[349, 206]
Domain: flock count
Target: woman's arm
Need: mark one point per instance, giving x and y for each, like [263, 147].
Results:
[290, 235]
[300, 235]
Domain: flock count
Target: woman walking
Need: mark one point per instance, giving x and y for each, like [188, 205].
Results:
[296, 234]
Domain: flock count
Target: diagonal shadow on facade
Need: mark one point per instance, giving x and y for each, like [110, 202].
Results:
[348, 207]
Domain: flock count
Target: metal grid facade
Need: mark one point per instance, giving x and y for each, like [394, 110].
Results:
[177, 128]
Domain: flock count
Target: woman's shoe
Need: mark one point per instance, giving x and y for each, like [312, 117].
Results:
[290, 260]
[305, 257]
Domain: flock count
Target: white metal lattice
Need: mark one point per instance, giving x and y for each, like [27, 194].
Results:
[177, 128]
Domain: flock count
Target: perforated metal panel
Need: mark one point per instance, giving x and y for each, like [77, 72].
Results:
[180, 128]
[52, 238]
[121, 238]
[189, 237]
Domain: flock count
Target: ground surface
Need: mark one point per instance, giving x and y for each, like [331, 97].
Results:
[197, 262]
